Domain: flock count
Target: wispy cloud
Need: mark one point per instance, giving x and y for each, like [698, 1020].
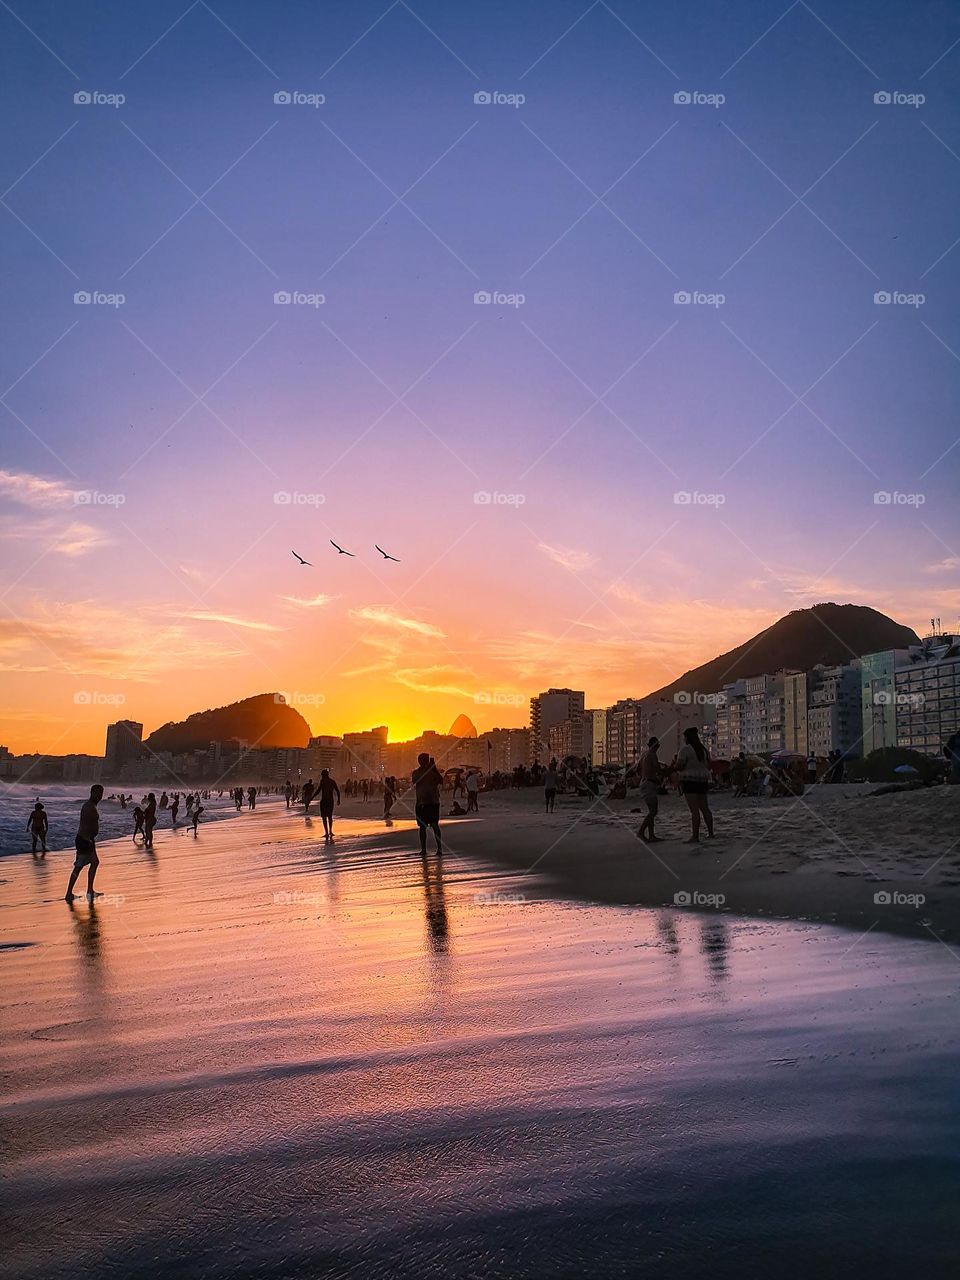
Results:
[77, 539]
[384, 617]
[950, 564]
[205, 615]
[317, 602]
[34, 491]
[433, 680]
[568, 557]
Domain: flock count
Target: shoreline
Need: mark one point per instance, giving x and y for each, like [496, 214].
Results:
[823, 858]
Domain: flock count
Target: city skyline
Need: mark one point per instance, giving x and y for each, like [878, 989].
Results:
[614, 371]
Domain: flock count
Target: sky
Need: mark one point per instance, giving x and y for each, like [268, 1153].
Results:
[609, 321]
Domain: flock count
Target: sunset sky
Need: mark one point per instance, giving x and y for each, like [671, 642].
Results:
[382, 412]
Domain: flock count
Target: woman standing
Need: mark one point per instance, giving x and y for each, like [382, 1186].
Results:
[693, 766]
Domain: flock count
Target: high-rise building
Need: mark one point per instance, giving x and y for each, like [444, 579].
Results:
[507, 748]
[364, 752]
[598, 736]
[878, 697]
[124, 743]
[795, 734]
[548, 709]
[926, 701]
[834, 714]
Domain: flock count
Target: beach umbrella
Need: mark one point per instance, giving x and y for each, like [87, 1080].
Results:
[904, 768]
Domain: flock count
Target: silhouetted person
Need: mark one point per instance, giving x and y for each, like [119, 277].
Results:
[550, 787]
[288, 793]
[428, 780]
[86, 842]
[693, 766]
[472, 785]
[137, 822]
[650, 789]
[365, 790]
[196, 817]
[37, 825]
[328, 789]
[149, 820]
[307, 794]
[252, 797]
[174, 807]
[389, 795]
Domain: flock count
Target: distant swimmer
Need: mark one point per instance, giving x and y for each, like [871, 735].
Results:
[37, 826]
[340, 549]
[328, 789]
[86, 843]
[301, 559]
[385, 556]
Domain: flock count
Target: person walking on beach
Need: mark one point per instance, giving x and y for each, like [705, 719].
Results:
[473, 791]
[650, 790]
[251, 797]
[137, 823]
[692, 764]
[86, 843]
[389, 795]
[288, 793]
[37, 826]
[175, 805]
[549, 787]
[307, 794]
[428, 780]
[149, 820]
[196, 818]
[328, 789]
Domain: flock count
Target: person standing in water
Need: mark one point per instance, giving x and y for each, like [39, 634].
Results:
[693, 766]
[137, 823]
[37, 826]
[86, 843]
[328, 789]
[428, 780]
[174, 807]
[196, 818]
[149, 820]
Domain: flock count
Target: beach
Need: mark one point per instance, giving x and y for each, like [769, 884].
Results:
[258, 1054]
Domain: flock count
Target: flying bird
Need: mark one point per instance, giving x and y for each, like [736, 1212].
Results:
[340, 549]
[385, 556]
[301, 559]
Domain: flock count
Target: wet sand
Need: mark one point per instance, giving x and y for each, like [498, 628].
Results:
[838, 855]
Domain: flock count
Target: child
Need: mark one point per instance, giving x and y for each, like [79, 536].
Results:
[137, 822]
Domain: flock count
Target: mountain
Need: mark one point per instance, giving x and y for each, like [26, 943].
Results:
[827, 633]
[262, 721]
[463, 727]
